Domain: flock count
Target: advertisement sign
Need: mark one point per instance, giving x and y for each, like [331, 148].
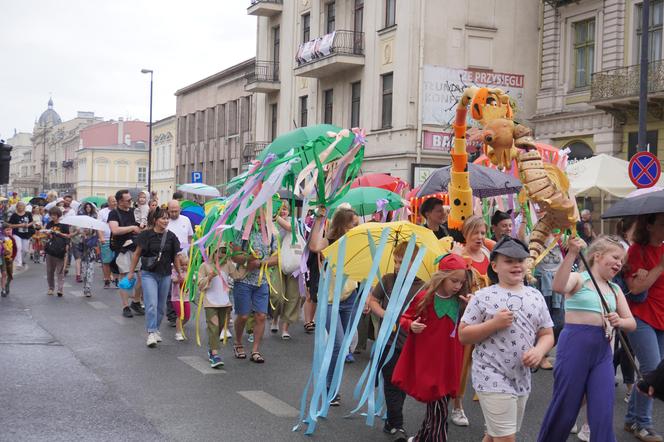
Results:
[443, 87]
[440, 141]
[420, 172]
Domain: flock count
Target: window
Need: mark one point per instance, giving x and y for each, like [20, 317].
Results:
[329, 18]
[245, 120]
[386, 111]
[633, 141]
[359, 16]
[221, 121]
[328, 106]
[303, 111]
[306, 28]
[232, 117]
[142, 174]
[584, 52]
[390, 12]
[276, 41]
[355, 91]
[273, 121]
[654, 30]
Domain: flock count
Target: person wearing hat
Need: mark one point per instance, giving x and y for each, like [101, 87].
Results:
[429, 368]
[512, 330]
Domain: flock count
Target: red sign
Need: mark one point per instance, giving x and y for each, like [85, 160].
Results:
[441, 141]
[644, 170]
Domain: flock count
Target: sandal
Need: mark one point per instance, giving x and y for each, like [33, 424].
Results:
[238, 351]
[310, 327]
[257, 357]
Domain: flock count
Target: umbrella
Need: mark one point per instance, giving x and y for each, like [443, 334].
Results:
[652, 202]
[86, 222]
[380, 180]
[359, 254]
[199, 189]
[301, 136]
[367, 200]
[188, 203]
[484, 181]
[290, 196]
[26, 199]
[645, 190]
[195, 214]
[37, 201]
[215, 202]
[600, 175]
[96, 200]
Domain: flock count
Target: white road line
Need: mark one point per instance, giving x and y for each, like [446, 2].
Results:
[269, 403]
[98, 305]
[200, 364]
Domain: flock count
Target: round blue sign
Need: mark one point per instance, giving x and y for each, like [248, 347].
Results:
[644, 170]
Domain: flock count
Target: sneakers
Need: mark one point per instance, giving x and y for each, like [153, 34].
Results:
[87, 294]
[400, 435]
[3, 293]
[647, 435]
[107, 284]
[152, 340]
[336, 401]
[60, 294]
[215, 360]
[136, 307]
[116, 283]
[126, 312]
[158, 336]
[51, 292]
[226, 333]
[584, 433]
[179, 336]
[459, 418]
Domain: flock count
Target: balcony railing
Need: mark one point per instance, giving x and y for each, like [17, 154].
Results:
[334, 43]
[624, 82]
[252, 149]
[264, 71]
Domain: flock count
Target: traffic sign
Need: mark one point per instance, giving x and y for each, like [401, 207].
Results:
[196, 177]
[644, 170]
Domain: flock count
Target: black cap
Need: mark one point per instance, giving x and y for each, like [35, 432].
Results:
[499, 216]
[510, 247]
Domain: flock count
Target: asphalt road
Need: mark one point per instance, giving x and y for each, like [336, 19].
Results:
[73, 368]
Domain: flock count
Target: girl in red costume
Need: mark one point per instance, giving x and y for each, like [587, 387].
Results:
[429, 367]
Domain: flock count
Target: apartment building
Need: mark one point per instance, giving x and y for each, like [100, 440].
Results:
[393, 67]
[162, 168]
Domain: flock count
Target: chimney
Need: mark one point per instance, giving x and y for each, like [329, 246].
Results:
[120, 130]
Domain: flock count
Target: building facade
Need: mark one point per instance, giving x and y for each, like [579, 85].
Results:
[162, 168]
[20, 167]
[393, 67]
[112, 155]
[589, 82]
[215, 126]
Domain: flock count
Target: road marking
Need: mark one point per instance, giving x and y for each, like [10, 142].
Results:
[200, 364]
[269, 403]
[97, 304]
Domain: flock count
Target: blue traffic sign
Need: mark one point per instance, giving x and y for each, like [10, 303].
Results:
[644, 170]
[196, 177]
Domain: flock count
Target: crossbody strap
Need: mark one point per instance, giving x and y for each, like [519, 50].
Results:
[163, 243]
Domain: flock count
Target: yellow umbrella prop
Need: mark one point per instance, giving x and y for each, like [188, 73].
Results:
[361, 242]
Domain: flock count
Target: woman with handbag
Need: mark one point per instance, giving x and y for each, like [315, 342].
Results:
[584, 359]
[156, 248]
[646, 300]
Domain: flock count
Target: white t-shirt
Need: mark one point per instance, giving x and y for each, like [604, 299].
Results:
[102, 215]
[182, 229]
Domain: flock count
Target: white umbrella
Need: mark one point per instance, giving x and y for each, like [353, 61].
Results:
[86, 222]
[199, 189]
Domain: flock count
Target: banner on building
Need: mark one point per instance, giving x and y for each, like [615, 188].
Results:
[443, 87]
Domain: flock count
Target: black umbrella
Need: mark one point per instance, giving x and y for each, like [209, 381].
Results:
[648, 203]
[38, 201]
[288, 195]
[484, 181]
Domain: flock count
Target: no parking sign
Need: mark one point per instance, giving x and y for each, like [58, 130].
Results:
[644, 170]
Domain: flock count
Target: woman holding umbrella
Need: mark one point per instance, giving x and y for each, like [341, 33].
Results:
[647, 305]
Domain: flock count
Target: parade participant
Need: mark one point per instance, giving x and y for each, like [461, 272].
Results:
[217, 306]
[56, 250]
[343, 220]
[153, 204]
[142, 210]
[36, 238]
[68, 207]
[251, 293]
[107, 255]
[156, 248]
[286, 297]
[9, 254]
[584, 227]
[377, 302]
[584, 357]
[512, 331]
[433, 212]
[22, 223]
[646, 253]
[180, 307]
[180, 225]
[501, 225]
[429, 368]
[123, 236]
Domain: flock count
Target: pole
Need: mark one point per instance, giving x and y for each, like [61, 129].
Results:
[44, 163]
[643, 78]
[150, 142]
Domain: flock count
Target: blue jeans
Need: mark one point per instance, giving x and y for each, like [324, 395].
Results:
[648, 345]
[347, 308]
[155, 295]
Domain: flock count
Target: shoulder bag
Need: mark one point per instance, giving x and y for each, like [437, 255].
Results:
[149, 263]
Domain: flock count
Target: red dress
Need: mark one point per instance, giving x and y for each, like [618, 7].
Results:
[429, 367]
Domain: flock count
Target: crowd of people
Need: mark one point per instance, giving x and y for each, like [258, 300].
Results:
[481, 315]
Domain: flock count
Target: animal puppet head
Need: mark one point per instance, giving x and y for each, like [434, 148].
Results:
[490, 104]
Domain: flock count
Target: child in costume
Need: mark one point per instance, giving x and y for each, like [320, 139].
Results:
[429, 367]
[182, 309]
[89, 245]
[8, 254]
[512, 330]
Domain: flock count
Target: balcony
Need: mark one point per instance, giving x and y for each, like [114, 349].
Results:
[617, 90]
[264, 78]
[265, 8]
[252, 149]
[330, 54]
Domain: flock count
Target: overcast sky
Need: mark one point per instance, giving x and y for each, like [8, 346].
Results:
[88, 54]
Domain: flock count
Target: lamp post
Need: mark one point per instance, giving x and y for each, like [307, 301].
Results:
[149, 71]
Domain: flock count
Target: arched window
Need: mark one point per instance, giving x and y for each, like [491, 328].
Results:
[579, 150]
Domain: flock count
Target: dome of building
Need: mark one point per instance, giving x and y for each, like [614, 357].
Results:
[49, 117]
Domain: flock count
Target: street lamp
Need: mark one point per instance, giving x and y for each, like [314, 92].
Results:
[149, 71]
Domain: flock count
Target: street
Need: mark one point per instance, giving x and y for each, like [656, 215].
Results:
[74, 369]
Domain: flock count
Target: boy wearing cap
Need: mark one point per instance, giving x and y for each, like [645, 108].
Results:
[512, 330]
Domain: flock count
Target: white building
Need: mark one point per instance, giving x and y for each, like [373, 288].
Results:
[21, 162]
[162, 168]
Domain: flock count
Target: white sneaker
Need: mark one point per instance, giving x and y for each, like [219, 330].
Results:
[574, 430]
[152, 340]
[179, 336]
[225, 333]
[158, 336]
[584, 434]
[459, 418]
